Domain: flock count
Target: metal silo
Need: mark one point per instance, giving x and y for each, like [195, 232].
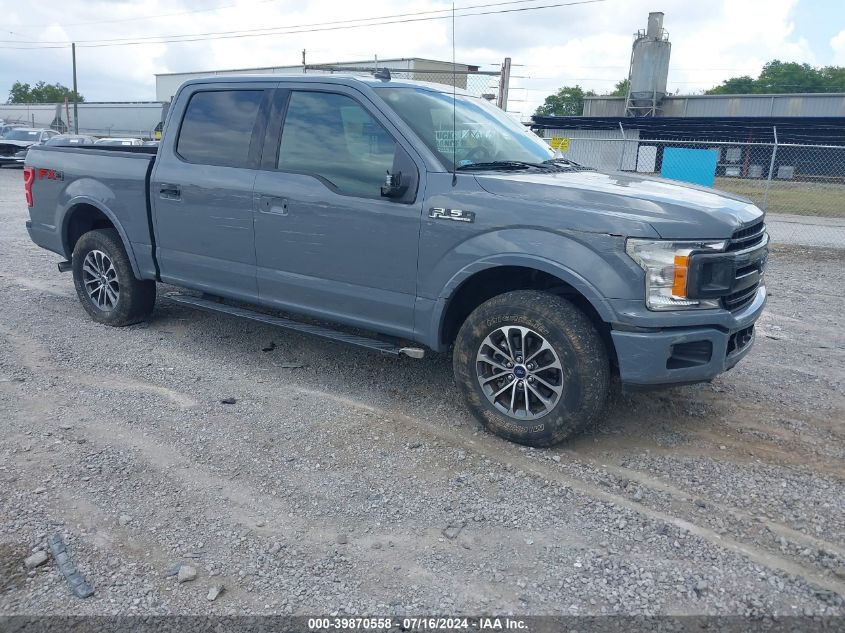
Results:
[649, 68]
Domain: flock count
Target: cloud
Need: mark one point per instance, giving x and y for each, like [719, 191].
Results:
[837, 43]
[589, 44]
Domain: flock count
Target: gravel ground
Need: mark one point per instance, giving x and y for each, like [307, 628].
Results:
[342, 481]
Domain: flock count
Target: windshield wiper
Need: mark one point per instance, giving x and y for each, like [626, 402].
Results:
[567, 164]
[503, 165]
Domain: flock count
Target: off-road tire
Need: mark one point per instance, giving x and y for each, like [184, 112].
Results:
[585, 374]
[135, 298]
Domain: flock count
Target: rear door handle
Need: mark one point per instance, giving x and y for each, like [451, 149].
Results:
[169, 191]
[273, 205]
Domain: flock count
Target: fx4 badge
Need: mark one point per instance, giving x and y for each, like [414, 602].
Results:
[49, 174]
[451, 214]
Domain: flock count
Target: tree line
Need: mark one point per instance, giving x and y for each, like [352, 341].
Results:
[41, 92]
[776, 77]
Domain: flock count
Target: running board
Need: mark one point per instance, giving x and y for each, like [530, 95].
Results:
[212, 305]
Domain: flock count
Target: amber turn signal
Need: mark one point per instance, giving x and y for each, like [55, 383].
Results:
[679, 284]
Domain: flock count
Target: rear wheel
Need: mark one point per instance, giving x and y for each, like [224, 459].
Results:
[105, 283]
[532, 367]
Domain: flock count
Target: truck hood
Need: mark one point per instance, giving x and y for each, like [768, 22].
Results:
[675, 210]
[10, 148]
[18, 144]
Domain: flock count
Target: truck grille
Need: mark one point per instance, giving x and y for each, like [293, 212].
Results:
[744, 239]
[738, 300]
[748, 237]
[733, 276]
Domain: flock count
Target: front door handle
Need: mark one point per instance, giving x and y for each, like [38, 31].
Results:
[170, 191]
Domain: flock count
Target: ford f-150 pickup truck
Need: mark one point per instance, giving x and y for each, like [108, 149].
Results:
[401, 216]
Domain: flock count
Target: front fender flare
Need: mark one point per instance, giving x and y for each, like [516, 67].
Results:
[524, 260]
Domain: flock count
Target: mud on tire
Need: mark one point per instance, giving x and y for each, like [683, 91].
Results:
[515, 325]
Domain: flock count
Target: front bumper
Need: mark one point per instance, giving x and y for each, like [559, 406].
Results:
[649, 356]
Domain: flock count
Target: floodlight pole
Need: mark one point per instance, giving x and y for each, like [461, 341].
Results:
[75, 93]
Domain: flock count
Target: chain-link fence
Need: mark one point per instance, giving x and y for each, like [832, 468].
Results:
[124, 119]
[800, 186]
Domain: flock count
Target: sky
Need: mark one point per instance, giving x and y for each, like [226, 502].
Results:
[586, 44]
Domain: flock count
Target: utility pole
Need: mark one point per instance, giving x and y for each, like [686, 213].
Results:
[75, 94]
[504, 85]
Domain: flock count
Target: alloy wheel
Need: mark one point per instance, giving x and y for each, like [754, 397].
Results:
[99, 278]
[520, 372]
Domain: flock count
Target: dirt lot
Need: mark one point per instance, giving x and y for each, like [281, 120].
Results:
[359, 484]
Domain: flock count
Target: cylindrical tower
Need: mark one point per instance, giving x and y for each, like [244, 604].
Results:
[649, 68]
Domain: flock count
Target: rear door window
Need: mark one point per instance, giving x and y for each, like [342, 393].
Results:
[217, 127]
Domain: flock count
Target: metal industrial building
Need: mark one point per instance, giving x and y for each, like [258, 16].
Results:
[136, 118]
[708, 121]
[756, 105]
[140, 118]
[780, 136]
[415, 67]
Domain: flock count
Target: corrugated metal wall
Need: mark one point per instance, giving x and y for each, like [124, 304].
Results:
[797, 105]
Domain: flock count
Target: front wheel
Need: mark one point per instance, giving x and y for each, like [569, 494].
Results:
[532, 367]
[105, 283]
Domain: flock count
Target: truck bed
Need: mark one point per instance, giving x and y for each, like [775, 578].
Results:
[113, 180]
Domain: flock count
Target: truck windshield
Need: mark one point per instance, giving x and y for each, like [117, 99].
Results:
[479, 133]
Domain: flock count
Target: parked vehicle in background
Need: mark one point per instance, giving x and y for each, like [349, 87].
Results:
[20, 157]
[5, 128]
[58, 139]
[151, 143]
[71, 139]
[430, 220]
[125, 142]
[14, 144]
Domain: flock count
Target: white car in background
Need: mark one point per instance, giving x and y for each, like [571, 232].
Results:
[19, 140]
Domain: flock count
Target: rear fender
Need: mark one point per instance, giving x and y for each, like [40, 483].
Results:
[73, 205]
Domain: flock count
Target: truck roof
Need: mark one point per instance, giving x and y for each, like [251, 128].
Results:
[335, 78]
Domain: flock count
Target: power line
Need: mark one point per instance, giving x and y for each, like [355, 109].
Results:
[265, 30]
[339, 25]
[275, 30]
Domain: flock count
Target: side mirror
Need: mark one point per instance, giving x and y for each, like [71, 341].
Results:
[393, 186]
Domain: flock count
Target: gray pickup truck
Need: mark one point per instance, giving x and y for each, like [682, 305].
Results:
[396, 216]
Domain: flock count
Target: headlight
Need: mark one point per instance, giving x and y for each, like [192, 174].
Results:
[666, 266]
